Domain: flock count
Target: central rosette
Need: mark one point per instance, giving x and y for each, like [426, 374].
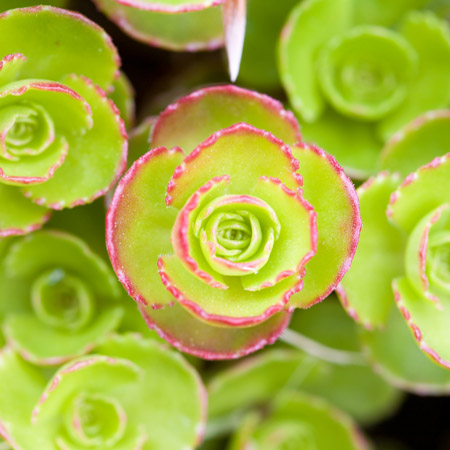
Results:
[236, 233]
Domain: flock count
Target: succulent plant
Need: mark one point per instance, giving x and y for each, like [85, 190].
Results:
[132, 394]
[211, 232]
[297, 421]
[403, 255]
[58, 299]
[368, 69]
[63, 143]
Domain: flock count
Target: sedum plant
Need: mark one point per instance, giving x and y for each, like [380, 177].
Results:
[63, 143]
[402, 256]
[218, 235]
[368, 69]
[131, 394]
[298, 421]
[58, 299]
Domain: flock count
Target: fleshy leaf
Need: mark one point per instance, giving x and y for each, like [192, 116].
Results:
[306, 422]
[297, 242]
[195, 117]
[95, 160]
[161, 25]
[138, 214]
[380, 253]
[10, 67]
[19, 215]
[423, 265]
[430, 37]
[233, 306]
[327, 188]
[358, 155]
[421, 192]
[310, 25]
[25, 385]
[11, 4]
[35, 169]
[423, 139]
[44, 345]
[395, 355]
[428, 324]
[211, 342]
[228, 148]
[58, 33]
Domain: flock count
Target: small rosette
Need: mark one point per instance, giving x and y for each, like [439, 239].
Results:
[229, 226]
[65, 297]
[62, 142]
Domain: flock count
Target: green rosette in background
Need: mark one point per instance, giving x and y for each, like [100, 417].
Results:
[131, 394]
[63, 143]
[356, 72]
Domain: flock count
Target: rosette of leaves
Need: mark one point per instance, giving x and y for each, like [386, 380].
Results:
[58, 299]
[364, 68]
[181, 25]
[132, 394]
[298, 421]
[403, 255]
[62, 142]
[215, 232]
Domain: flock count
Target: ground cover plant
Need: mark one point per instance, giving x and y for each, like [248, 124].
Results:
[193, 262]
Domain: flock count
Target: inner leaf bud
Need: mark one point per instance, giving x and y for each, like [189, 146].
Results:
[62, 300]
[95, 420]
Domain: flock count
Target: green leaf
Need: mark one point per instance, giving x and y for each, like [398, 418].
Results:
[420, 141]
[139, 226]
[310, 25]
[19, 215]
[259, 151]
[35, 169]
[297, 242]
[430, 37]
[366, 289]
[327, 188]
[358, 155]
[63, 42]
[233, 306]
[195, 117]
[427, 322]
[10, 68]
[170, 385]
[396, 357]
[11, 4]
[95, 160]
[212, 342]
[44, 345]
[384, 12]
[183, 31]
[22, 385]
[421, 192]
[305, 421]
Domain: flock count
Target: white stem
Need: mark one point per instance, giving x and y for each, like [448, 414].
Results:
[321, 351]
